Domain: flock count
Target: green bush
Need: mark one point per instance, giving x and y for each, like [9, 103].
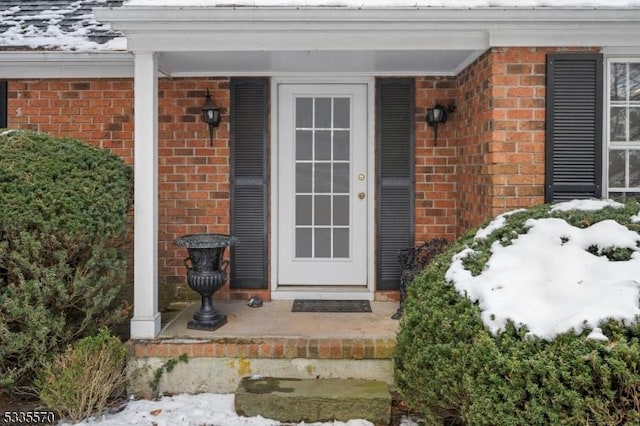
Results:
[453, 370]
[63, 217]
[80, 382]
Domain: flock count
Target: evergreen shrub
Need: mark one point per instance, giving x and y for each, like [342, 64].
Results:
[452, 370]
[63, 217]
[80, 382]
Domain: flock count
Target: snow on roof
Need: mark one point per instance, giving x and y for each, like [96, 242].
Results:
[71, 24]
[549, 281]
[57, 24]
[365, 4]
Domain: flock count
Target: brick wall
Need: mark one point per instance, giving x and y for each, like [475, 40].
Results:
[193, 175]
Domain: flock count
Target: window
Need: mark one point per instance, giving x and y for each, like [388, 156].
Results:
[623, 129]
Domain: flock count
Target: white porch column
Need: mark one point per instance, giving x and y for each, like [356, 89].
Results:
[145, 323]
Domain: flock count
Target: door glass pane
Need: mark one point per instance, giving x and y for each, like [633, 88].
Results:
[341, 210]
[303, 177]
[304, 111]
[323, 113]
[341, 178]
[341, 114]
[341, 242]
[304, 145]
[322, 210]
[634, 168]
[322, 243]
[341, 145]
[323, 177]
[618, 82]
[634, 82]
[323, 145]
[303, 210]
[618, 124]
[616, 168]
[303, 242]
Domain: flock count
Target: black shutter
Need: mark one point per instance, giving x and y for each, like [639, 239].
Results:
[574, 126]
[249, 108]
[3, 104]
[395, 173]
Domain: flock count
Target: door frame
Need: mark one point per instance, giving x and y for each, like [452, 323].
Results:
[318, 292]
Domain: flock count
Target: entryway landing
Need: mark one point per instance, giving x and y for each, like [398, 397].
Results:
[269, 341]
[275, 320]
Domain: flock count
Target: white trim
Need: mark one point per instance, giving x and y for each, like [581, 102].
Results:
[66, 65]
[285, 292]
[146, 319]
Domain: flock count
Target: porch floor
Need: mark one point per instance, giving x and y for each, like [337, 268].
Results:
[275, 320]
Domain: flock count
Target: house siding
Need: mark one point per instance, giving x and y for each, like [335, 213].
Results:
[489, 156]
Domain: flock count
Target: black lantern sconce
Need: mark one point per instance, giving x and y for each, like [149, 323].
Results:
[436, 115]
[211, 115]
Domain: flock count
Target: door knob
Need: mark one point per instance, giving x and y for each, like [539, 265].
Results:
[361, 195]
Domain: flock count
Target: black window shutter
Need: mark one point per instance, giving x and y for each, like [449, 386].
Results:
[3, 104]
[395, 173]
[574, 126]
[248, 117]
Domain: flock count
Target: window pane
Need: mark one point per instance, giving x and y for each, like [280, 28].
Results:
[634, 124]
[303, 209]
[323, 145]
[323, 113]
[304, 112]
[303, 177]
[322, 243]
[303, 144]
[341, 210]
[341, 117]
[341, 178]
[618, 124]
[634, 82]
[323, 177]
[634, 168]
[618, 82]
[303, 242]
[341, 145]
[322, 209]
[616, 168]
[341, 242]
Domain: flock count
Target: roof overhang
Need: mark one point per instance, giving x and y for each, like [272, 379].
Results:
[209, 40]
[51, 64]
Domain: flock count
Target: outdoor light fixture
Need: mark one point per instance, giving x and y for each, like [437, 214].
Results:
[211, 115]
[436, 115]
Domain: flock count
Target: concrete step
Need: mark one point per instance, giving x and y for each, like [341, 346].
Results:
[314, 400]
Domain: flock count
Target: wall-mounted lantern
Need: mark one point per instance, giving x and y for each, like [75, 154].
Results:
[436, 115]
[211, 115]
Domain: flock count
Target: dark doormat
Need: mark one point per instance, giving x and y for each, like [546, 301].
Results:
[331, 306]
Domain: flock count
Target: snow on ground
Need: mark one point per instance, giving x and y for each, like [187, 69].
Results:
[548, 281]
[190, 410]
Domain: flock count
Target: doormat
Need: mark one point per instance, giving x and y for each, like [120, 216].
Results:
[331, 306]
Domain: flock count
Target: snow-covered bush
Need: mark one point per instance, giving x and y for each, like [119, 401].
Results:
[531, 320]
[63, 218]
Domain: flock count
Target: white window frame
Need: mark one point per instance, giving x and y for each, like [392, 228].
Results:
[607, 143]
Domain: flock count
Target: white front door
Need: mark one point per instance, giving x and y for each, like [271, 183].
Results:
[322, 184]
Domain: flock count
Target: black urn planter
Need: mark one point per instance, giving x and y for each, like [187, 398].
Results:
[206, 274]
